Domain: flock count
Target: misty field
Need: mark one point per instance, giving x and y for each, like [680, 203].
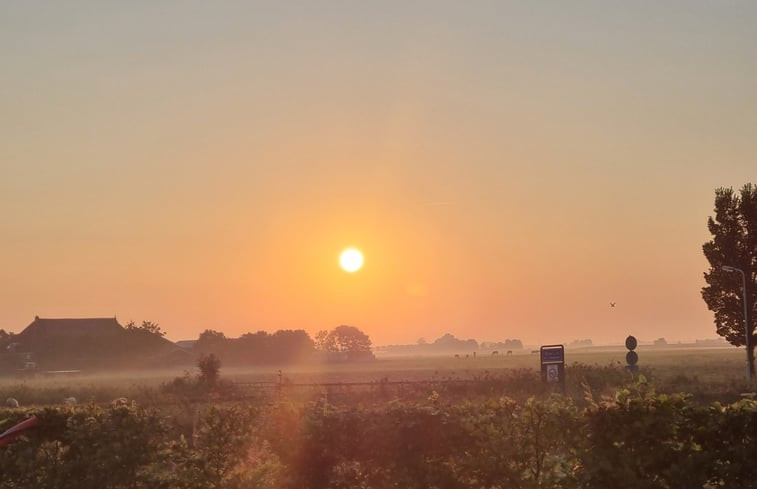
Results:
[435, 422]
[712, 373]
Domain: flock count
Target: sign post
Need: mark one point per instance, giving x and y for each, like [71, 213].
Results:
[632, 358]
[553, 364]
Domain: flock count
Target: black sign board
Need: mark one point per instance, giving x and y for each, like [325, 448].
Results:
[553, 364]
[632, 358]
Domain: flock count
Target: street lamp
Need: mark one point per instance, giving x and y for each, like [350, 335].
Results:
[746, 320]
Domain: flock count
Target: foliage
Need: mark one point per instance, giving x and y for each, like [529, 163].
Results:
[637, 439]
[130, 448]
[345, 339]
[501, 346]
[261, 348]
[449, 342]
[648, 440]
[86, 448]
[206, 383]
[6, 338]
[733, 243]
[225, 455]
[321, 340]
[210, 369]
[210, 341]
[147, 327]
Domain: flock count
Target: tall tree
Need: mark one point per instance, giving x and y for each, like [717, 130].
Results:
[733, 243]
[322, 341]
[210, 341]
[346, 339]
[351, 339]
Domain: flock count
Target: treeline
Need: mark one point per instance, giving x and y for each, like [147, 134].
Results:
[448, 343]
[637, 440]
[286, 346]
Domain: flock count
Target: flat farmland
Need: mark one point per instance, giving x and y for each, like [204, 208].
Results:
[708, 364]
[707, 373]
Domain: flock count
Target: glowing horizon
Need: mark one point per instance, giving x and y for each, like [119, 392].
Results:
[506, 169]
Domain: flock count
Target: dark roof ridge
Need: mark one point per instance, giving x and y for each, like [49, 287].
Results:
[37, 318]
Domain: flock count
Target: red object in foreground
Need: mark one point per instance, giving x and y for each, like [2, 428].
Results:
[8, 435]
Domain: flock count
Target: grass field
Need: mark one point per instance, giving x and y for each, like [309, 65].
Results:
[709, 373]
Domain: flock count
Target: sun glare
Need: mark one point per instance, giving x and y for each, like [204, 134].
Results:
[351, 260]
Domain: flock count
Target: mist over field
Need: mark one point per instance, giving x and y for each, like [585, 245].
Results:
[370, 245]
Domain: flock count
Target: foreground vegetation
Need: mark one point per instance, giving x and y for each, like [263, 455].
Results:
[639, 439]
[457, 427]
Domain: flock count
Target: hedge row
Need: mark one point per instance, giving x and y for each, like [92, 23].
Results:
[640, 439]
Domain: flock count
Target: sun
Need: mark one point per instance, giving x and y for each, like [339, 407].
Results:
[351, 260]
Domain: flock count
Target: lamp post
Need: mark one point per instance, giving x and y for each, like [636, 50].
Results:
[746, 319]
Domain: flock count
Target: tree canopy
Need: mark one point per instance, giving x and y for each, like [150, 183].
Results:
[344, 339]
[283, 346]
[734, 244]
[146, 326]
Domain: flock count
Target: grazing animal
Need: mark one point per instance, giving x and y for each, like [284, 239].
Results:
[495, 352]
[509, 352]
[69, 401]
[457, 356]
[11, 402]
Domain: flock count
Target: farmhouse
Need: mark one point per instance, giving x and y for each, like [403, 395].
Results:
[95, 343]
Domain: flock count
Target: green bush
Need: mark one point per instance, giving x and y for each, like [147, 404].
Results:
[637, 440]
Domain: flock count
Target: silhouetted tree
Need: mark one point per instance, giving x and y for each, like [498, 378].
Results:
[210, 341]
[5, 338]
[734, 243]
[516, 344]
[146, 326]
[449, 342]
[348, 339]
[289, 345]
[210, 368]
[351, 339]
[259, 348]
[321, 340]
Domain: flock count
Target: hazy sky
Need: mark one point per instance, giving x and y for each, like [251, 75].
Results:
[507, 168]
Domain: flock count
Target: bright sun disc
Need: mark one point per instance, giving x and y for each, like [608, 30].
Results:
[351, 260]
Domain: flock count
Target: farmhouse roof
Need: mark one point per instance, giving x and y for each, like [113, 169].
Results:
[71, 327]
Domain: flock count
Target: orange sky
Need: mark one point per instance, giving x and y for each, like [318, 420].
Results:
[507, 169]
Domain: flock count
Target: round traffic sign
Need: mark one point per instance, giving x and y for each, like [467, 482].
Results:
[631, 343]
[632, 358]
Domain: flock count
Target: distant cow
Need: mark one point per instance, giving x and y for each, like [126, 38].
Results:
[457, 356]
[509, 352]
[495, 352]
